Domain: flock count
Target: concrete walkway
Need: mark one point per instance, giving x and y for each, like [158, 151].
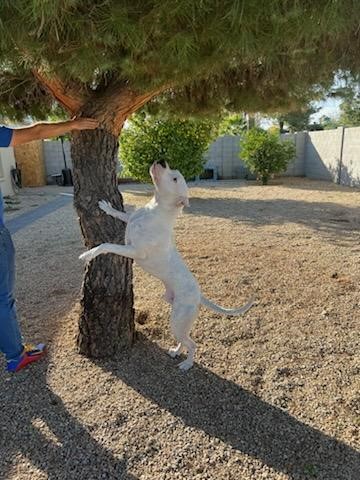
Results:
[23, 220]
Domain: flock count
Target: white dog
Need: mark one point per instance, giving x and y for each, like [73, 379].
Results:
[149, 241]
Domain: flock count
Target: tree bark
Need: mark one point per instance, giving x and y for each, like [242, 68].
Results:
[106, 323]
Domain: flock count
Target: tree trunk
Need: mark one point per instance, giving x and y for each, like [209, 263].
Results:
[250, 121]
[106, 323]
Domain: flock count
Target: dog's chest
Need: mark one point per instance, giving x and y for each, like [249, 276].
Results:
[149, 230]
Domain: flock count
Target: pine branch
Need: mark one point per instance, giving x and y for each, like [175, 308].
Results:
[119, 99]
[68, 97]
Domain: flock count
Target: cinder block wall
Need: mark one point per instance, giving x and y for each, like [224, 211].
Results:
[318, 156]
[322, 154]
[54, 160]
[296, 167]
[350, 169]
[224, 153]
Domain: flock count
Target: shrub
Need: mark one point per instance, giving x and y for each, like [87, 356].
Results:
[182, 143]
[265, 154]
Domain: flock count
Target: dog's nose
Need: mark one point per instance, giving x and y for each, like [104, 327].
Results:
[161, 162]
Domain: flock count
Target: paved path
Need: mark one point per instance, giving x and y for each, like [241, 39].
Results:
[27, 218]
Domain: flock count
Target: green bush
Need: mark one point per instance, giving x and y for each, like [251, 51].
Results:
[233, 124]
[265, 154]
[182, 143]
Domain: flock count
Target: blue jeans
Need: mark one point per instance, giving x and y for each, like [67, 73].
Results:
[10, 337]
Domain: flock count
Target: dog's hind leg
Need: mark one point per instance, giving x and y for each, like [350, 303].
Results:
[169, 295]
[182, 319]
[190, 346]
[174, 352]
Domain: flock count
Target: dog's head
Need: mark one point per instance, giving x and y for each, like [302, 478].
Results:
[169, 184]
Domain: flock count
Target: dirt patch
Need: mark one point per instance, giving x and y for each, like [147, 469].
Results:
[273, 395]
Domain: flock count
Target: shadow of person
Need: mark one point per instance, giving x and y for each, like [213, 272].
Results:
[64, 449]
[224, 410]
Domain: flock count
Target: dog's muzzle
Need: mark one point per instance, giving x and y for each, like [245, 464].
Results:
[182, 202]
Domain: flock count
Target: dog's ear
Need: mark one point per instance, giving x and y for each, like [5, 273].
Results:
[153, 174]
[167, 166]
[151, 170]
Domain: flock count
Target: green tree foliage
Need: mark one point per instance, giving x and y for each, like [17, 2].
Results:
[181, 143]
[329, 123]
[233, 54]
[265, 154]
[297, 121]
[274, 130]
[350, 112]
[233, 124]
[347, 88]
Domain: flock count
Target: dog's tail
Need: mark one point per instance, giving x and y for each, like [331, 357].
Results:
[232, 312]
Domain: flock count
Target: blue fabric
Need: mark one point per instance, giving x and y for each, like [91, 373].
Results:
[5, 136]
[1, 210]
[5, 139]
[10, 336]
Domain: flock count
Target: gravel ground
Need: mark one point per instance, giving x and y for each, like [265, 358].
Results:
[273, 395]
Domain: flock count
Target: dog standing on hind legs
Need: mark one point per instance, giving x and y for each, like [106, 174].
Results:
[149, 241]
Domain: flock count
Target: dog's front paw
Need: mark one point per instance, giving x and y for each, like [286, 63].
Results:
[86, 256]
[90, 254]
[105, 206]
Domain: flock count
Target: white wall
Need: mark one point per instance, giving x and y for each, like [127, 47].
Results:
[7, 162]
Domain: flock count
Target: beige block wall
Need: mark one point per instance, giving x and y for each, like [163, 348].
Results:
[350, 170]
[322, 154]
[30, 160]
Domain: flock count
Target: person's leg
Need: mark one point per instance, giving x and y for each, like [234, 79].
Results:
[17, 354]
[10, 336]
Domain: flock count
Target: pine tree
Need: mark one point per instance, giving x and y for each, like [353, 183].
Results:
[106, 59]
[296, 121]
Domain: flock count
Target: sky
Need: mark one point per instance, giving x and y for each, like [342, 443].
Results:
[328, 107]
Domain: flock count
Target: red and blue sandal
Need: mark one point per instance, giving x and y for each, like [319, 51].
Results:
[31, 353]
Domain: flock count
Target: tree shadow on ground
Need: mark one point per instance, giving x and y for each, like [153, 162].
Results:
[224, 410]
[335, 222]
[68, 452]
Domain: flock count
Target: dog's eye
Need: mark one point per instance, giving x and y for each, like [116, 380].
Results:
[175, 179]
